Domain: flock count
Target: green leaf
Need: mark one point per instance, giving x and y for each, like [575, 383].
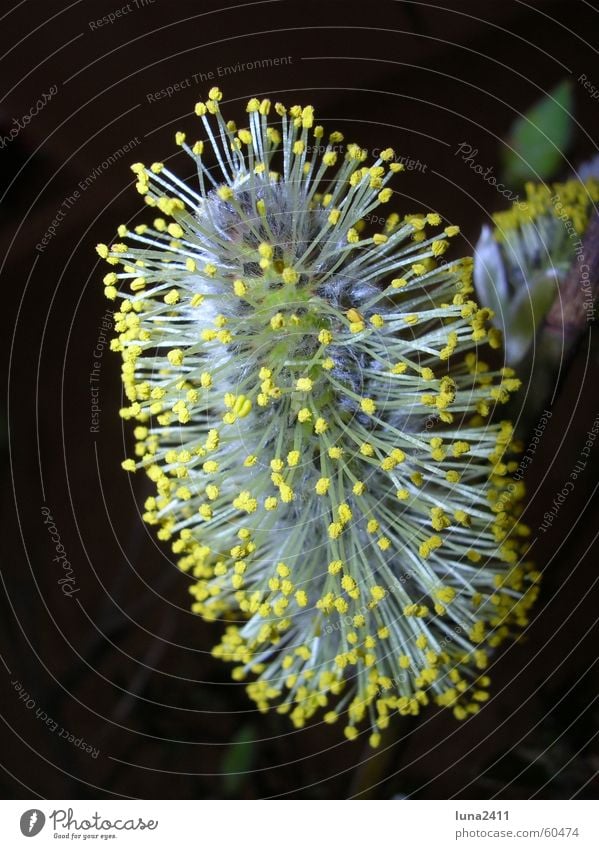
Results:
[540, 137]
[238, 759]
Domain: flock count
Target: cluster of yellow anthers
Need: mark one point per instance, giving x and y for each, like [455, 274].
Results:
[313, 411]
[573, 201]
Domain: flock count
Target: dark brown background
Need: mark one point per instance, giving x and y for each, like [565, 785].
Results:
[125, 665]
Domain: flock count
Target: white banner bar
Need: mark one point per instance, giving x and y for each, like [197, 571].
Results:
[299, 824]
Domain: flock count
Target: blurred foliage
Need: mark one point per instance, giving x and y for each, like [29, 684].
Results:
[238, 760]
[538, 140]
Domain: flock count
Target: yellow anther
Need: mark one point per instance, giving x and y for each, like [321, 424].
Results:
[290, 275]
[172, 297]
[368, 406]
[175, 357]
[293, 458]
[335, 567]
[322, 486]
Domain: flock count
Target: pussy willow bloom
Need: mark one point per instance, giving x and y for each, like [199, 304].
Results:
[313, 410]
[521, 262]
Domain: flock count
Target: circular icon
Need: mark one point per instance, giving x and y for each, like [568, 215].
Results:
[32, 822]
